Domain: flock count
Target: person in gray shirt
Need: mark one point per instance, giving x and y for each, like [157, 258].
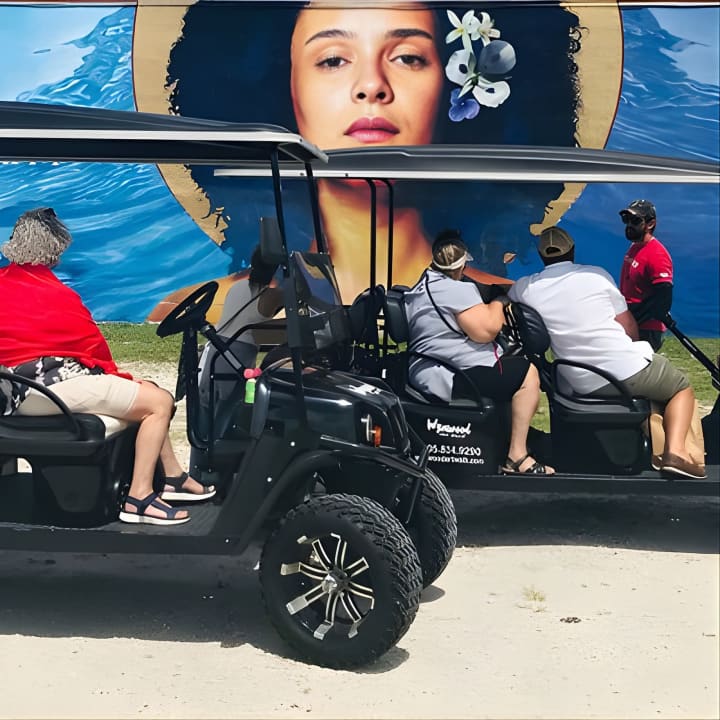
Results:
[449, 320]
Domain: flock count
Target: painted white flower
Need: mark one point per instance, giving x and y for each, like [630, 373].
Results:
[490, 94]
[460, 66]
[461, 70]
[468, 29]
[485, 29]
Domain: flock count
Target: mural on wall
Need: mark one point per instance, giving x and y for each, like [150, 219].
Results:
[635, 79]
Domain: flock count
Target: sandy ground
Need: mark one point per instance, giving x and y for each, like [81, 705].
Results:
[552, 607]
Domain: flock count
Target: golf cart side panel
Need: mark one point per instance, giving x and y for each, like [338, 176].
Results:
[462, 441]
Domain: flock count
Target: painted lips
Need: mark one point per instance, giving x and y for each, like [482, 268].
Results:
[372, 130]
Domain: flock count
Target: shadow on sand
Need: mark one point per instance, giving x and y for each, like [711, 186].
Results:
[148, 597]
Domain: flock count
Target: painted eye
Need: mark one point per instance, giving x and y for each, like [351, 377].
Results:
[413, 61]
[331, 62]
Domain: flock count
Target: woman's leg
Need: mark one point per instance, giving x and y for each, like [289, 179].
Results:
[152, 408]
[511, 378]
[172, 468]
[524, 405]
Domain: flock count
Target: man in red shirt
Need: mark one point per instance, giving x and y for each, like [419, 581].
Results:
[647, 272]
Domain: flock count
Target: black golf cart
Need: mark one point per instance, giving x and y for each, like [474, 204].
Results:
[321, 463]
[595, 445]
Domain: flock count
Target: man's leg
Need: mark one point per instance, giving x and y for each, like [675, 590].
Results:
[662, 382]
[676, 422]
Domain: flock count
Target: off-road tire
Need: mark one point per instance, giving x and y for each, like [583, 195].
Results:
[374, 539]
[433, 528]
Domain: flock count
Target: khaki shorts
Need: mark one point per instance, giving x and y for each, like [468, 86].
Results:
[659, 381]
[95, 394]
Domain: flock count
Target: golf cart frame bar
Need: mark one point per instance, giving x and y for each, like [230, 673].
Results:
[33, 131]
[515, 163]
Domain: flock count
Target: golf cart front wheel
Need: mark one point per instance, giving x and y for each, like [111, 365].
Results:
[341, 580]
[433, 528]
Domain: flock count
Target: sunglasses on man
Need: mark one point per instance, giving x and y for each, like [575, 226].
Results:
[631, 219]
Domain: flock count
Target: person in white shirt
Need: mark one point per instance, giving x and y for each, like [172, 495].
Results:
[448, 320]
[588, 321]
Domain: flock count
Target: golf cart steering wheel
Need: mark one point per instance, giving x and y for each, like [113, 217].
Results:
[189, 312]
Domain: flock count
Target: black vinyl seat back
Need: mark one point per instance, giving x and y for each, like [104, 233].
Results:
[363, 316]
[363, 319]
[394, 315]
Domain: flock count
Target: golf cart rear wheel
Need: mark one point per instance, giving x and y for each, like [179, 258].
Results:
[433, 528]
[341, 580]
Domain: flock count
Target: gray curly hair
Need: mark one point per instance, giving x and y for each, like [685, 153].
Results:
[38, 238]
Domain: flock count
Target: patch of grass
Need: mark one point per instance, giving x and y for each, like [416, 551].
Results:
[533, 595]
[131, 342]
[697, 374]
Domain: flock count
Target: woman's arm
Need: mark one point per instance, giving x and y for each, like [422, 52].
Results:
[481, 322]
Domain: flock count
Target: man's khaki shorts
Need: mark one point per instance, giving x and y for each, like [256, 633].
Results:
[95, 394]
[659, 381]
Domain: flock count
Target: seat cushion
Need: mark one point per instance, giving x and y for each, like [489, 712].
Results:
[38, 404]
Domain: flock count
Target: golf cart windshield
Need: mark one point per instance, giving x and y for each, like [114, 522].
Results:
[322, 319]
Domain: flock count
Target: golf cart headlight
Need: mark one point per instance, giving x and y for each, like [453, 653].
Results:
[372, 433]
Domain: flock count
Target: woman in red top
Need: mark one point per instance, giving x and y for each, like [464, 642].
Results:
[48, 335]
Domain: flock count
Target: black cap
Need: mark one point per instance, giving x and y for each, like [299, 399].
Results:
[642, 208]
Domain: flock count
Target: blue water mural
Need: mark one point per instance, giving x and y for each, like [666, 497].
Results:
[663, 110]
[134, 243]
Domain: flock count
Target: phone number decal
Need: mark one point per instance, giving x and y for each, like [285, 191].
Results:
[464, 454]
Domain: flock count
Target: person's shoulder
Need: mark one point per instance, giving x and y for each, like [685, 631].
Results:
[594, 271]
[657, 247]
[521, 285]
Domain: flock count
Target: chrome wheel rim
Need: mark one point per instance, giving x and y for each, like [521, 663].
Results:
[329, 587]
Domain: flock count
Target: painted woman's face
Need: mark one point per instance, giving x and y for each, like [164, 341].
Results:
[365, 76]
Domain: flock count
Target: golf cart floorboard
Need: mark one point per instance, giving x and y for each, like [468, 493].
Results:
[649, 481]
[190, 537]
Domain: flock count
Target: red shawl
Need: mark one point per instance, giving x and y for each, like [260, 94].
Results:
[39, 316]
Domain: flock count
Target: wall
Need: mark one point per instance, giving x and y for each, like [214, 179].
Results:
[633, 78]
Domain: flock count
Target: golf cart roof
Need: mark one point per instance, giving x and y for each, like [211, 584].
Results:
[33, 131]
[498, 164]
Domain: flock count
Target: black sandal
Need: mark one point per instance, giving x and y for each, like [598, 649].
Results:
[512, 467]
[139, 517]
[178, 494]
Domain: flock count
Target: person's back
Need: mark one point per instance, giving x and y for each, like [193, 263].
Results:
[579, 304]
[431, 306]
[588, 321]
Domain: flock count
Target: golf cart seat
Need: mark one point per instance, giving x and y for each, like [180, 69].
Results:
[396, 324]
[363, 317]
[609, 430]
[78, 461]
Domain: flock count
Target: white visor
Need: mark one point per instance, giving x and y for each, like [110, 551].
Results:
[466, 258]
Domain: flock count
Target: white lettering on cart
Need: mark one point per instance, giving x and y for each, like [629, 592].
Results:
[456, 431]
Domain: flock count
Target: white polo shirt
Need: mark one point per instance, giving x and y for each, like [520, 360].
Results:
[432, 336]
[579, 304]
